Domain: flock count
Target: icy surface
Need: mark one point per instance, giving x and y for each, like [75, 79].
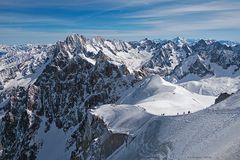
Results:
[158, 97]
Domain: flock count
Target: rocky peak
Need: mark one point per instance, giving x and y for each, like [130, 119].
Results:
[146, 44]
[98, 40]
[200, 44]
[75, 42]
[179, 41]
[219, 46]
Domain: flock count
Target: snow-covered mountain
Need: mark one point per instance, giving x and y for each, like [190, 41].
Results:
[176, 60]
[91, 96]
[20, 65]
[208, 134]
[20, 62]
[158, 96]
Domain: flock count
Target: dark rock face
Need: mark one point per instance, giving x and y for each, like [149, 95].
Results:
[200, 69]
[222, 97]
[17, 128]
[112, 143]
[163, 58]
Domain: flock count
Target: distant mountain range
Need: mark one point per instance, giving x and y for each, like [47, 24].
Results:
[49, 95]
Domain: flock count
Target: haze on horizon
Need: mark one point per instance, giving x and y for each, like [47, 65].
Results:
[29, 21]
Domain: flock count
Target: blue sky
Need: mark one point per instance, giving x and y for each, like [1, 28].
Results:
[46, 21]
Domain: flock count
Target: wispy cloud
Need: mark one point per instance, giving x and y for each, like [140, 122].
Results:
[48, 21]
[78, 3]
[187, 9]
[215, 21]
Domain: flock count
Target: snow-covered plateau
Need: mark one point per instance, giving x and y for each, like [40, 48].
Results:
[94, 98]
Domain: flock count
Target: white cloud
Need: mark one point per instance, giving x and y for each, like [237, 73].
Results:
[108, 4]
[186, 9]
[160, 21]
[218, 21]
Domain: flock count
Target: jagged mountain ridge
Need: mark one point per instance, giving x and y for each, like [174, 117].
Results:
[169, 59]
[83, 73]
[172, 59]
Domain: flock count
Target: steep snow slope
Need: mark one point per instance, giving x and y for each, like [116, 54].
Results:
[212, 133]
[54, 142]
[232, 103]
[119, 118]
[213, 86]
[158, 96]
